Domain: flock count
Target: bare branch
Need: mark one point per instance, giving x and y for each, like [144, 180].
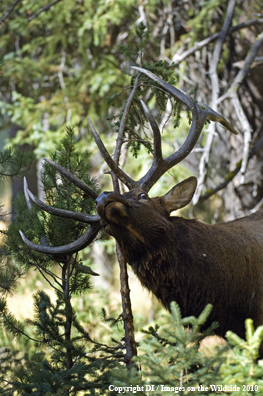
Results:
[46, 272]
[232, 93]
[63, 86]
[245, 69]
[46, 8]
[230, 176]
[214, 98]
[177, 58]
[8, 12]
[246, 129]
[221, 186]
[125, 291]
[127, 310]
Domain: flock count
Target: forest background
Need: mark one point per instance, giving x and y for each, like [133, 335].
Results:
[69, 60]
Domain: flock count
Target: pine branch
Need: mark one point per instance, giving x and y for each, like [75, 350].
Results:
[15, 162]
[12, 324]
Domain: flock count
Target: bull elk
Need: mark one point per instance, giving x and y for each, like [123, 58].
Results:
[178, 259]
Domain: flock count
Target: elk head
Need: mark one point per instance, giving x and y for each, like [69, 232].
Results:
[130, 217]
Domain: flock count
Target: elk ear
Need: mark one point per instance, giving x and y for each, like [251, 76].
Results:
[180, 195]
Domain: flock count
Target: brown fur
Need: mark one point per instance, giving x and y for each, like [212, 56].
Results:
[189, 262]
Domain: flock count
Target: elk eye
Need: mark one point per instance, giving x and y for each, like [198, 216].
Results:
[143, 196]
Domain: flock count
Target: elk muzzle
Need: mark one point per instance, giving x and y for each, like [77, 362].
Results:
[112, 207]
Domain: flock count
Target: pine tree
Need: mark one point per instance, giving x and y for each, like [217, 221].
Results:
[13, 163]
[170, 361]
[62, 358]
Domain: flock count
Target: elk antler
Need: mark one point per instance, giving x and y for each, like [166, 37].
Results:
[81, 242]
[200, 113]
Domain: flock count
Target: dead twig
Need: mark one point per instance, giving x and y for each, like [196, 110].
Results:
[232, 93]
[9, 12]
[177, 58]
[230, 176]
[127, 315]
[46, 8]
[214, 99]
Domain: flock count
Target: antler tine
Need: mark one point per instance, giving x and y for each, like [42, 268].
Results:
[209, 114]
[27, 198]
[61, 212]
[157, 145]
[177, 93]
[43, 238]
[158, 161]
[73, 179]
[110, 162]
[71, 248]
[204, 113]
[199, 115]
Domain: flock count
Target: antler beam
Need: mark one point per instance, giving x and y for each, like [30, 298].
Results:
[70, 248]
[85, 218]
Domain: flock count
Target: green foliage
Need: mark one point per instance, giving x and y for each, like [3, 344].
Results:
[14, 163]
[58, 67]
[170, 358]
[10, 274]
[10, 323]
[244, 355]
[169, 355]
[67, 82]
[62, 194]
